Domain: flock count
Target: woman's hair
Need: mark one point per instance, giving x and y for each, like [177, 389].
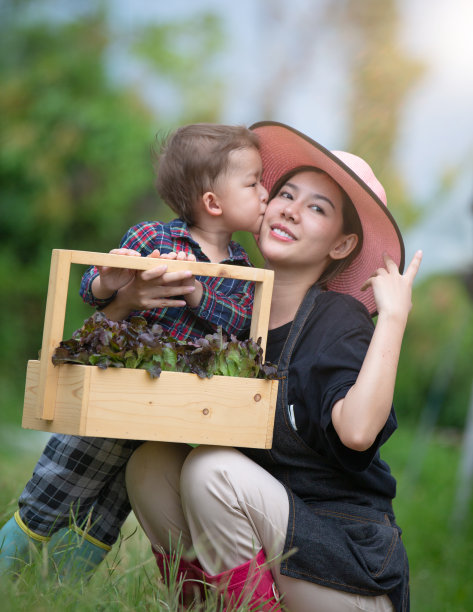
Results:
[351, 224]
[192, 158]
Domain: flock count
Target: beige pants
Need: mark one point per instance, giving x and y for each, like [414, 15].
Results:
[224, 507]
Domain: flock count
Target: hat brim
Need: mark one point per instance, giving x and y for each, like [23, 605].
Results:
[284, 149]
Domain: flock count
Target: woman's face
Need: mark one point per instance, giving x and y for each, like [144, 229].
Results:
[303, 224]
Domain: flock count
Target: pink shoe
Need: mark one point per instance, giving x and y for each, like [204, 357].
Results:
[190, 574]
[250, 583]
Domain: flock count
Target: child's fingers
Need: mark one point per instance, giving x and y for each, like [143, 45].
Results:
[129, 252]
[171, 255]
[180, 255]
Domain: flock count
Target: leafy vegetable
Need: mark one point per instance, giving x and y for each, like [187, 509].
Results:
[136, 344]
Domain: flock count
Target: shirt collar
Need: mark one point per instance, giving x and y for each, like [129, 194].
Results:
[236, 253]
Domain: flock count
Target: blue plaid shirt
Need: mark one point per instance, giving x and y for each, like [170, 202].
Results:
[225, 302]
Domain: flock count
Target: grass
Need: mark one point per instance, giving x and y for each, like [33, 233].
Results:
[439, 546]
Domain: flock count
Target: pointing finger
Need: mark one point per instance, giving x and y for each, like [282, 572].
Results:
[413, 267]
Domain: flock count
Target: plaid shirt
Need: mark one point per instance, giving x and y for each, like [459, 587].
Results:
[225, 302]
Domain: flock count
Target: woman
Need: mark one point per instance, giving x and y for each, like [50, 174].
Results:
[318, 504]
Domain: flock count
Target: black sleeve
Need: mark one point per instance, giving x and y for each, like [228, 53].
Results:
[344, 331]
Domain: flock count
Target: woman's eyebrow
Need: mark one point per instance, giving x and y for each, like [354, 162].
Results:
[317, 196]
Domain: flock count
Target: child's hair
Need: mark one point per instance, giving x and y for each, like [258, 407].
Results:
[350, 220]
[192, 158]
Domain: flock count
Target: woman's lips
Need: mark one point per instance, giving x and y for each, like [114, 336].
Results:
[282, 233]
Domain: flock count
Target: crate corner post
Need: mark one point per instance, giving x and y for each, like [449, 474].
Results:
[53, 331]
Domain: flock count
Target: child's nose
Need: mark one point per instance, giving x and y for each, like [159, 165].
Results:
[264, 194]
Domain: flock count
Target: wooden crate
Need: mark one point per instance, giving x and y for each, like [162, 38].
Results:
[126, 403]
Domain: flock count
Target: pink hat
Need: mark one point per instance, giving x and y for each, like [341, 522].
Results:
[283, 150]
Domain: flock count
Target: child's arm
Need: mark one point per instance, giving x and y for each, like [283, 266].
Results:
[360, 416]
[210, 302]
[230, 310]
[99, 287]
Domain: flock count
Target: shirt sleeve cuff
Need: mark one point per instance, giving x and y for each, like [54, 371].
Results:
[100, 303]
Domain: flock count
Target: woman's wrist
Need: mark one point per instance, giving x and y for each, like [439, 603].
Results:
[118, 309]
[193, 299]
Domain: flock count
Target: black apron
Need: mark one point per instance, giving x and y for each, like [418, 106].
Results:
[345, 546]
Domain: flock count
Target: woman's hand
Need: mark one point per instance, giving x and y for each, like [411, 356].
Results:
[154, 288]
[392, 290]
[192, 299]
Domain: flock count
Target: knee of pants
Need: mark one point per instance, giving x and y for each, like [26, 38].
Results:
[153, 469]
[202, 472]
[211, 477]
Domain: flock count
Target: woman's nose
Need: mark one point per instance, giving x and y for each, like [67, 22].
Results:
[291, 211]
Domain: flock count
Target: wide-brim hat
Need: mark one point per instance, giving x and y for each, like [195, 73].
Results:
[283, 150]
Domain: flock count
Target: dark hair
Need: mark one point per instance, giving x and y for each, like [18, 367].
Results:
[351, 224]
[192, 158]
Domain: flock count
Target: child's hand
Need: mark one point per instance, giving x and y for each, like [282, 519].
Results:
[392, 290]
[111, 279]
[180, 256]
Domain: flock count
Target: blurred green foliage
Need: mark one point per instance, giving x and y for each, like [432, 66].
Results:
[435, 373]
[75, 155]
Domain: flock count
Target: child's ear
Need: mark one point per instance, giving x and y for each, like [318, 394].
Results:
[211, 204]
[344, 247]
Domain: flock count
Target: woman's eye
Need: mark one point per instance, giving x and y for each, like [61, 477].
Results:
[317, 208]
[285, 194]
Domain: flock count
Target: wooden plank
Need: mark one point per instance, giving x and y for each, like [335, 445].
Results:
[199, 268]
[273, 398]
[176, 407]
[179, 408]
[53, 330]
[68, 417]
[262, 308]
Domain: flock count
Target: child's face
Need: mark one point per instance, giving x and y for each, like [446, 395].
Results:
[241, 195]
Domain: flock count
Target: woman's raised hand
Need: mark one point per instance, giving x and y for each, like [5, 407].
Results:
[392, 290]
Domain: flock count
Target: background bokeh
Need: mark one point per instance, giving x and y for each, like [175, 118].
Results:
[86, 87]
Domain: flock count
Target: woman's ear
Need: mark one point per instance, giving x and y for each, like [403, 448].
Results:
[344, 247]
[211, 204]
